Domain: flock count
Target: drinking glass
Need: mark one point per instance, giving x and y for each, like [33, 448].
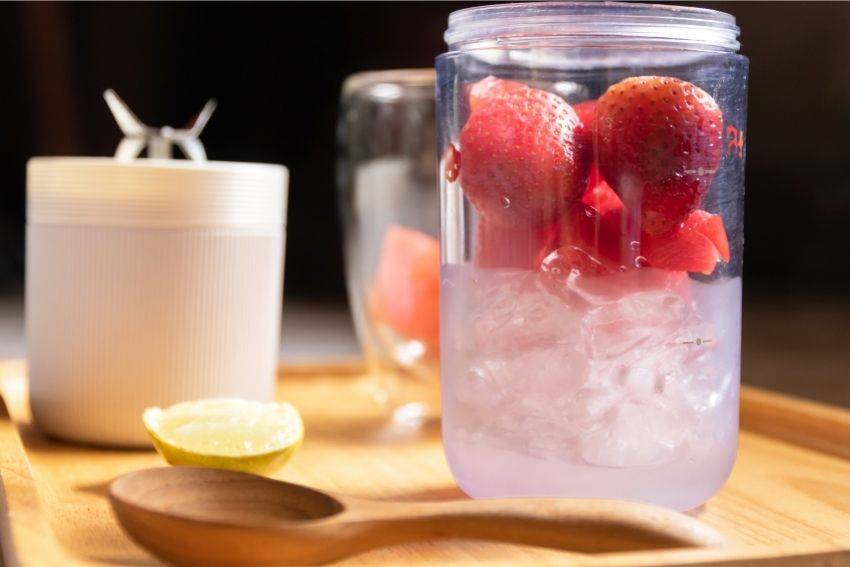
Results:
[592, 238]
[389, 201]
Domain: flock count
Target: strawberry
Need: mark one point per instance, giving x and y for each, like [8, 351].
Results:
[599, 226]
[659, 143]
[586, 112]
[599, 194]
[687, 251]
[697, 246]
[521, 165]
[710, 226]
[498, 246]
[594, 226]
[491, 87]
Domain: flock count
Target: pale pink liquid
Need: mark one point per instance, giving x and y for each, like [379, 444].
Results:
[622, 386]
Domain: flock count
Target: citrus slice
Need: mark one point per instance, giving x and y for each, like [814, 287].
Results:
[226, 433]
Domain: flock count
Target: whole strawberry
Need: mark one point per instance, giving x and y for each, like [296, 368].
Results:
[659, 145]
[521, 164]
[491, 87]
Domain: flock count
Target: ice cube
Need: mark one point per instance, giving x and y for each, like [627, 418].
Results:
[705, 393]
[511, 311]
[642, 382]
[552, 443]
[637, 320]
[639, 435]
[479, 386]
[593, 407]
[629, 380]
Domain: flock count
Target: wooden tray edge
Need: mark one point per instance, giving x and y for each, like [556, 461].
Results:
[798, 421]
[23, 522]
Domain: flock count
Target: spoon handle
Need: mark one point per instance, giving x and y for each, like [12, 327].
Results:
[571, 524]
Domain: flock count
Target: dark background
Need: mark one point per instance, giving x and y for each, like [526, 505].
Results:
[276, 70]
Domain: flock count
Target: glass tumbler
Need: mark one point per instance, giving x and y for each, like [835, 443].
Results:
[592, 234]
[390, 209]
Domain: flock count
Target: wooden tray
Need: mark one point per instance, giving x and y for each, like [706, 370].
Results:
[787, 502]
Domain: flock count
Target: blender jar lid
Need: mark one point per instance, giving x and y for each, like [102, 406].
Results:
[591, 24]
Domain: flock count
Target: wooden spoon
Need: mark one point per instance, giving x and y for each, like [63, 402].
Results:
[189, 515]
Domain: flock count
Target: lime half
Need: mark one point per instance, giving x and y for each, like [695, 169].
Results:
[226, 433]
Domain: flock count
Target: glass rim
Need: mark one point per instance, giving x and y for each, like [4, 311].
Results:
[590, 23]
[414, 78]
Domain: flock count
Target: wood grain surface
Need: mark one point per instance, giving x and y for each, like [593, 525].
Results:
[786, 503]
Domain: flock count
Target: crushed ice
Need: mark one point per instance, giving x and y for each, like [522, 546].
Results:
[589, 372]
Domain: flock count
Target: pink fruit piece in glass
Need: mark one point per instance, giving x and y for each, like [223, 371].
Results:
[407, 285]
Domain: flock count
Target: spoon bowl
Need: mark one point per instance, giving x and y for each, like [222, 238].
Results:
[190, 515]
[212, 495]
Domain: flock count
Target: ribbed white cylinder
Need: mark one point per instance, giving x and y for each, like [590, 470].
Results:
[149, 300]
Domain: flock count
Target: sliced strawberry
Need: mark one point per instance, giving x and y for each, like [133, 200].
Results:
[687, 250]
[498, 246]
[659, 145]
[583, 228]
[602, 226]
[406, 293]
[521, 164]
[598, 225]
[600, 234]
[599, 194]
[710, 226]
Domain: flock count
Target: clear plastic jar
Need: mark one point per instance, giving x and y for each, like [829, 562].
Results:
[390, 210]
[592, 223]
